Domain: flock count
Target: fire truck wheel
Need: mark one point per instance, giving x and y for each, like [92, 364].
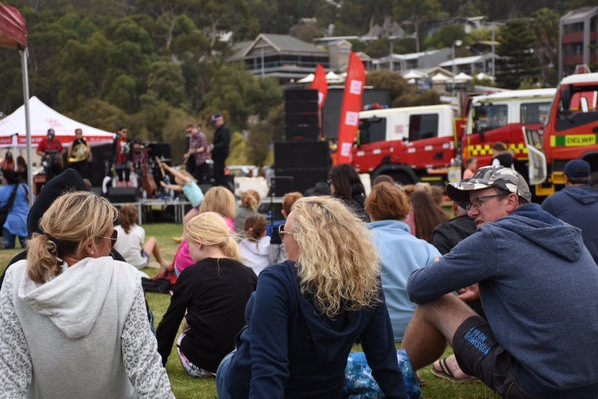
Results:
[402, 178]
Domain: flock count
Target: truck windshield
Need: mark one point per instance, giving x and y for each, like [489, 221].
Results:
[580, 108]
[534, 113]
[489, 116]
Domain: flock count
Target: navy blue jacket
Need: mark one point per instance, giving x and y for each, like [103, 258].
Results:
[290, 350]
[577, 206]
[539, 289]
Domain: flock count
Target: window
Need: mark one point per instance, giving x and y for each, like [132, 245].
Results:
[578, 107]
[534, 112]
[489, 116]
[423, 126]
[372, 130]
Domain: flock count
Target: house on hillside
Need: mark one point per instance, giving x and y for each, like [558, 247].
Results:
[578, 38]
[280, 56]
[470, 65]
[405, 62]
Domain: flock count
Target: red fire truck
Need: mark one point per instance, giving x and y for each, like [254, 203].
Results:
[570, 133]
[411, 144]
[501, 117]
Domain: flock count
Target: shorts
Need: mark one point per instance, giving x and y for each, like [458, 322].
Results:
[479, 354]
[193, 370]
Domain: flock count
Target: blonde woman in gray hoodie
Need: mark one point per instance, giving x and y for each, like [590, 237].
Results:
[72, 319]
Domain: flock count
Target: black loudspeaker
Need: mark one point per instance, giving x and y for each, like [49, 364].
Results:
[306, 162]
[123, 194]
[302, 154]
[280, 185]
[160, 150]
[302, 120]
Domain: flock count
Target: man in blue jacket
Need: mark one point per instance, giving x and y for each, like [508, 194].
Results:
[577, 203]
[539, 288]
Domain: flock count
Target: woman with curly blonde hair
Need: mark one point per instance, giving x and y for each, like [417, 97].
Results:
[308, 312]
[211, 295]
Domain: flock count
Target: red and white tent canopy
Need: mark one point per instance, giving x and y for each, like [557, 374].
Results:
[12, 128]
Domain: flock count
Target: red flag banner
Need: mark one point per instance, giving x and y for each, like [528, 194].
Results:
[13, 29]
[349, 123]
[321, 85]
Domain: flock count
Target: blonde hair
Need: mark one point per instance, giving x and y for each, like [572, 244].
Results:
[71, 222]
[250, 199]
[220, 200]
[210, 229]
[187, 175]
[340, 277]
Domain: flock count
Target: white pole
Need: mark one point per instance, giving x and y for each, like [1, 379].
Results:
[25, 73]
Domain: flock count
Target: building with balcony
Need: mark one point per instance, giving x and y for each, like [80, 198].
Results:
[280, 56]
[578, 38]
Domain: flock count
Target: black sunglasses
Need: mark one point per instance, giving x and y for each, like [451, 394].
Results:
[113, 237]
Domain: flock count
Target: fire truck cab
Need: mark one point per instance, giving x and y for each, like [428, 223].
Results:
[501, 117]
[571, 132]
[410, 144]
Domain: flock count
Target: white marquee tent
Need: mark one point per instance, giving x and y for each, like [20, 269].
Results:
[13, 132]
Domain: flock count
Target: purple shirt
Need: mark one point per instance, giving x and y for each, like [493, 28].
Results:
[198, 142]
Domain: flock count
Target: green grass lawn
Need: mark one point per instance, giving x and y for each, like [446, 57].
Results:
[185, 387]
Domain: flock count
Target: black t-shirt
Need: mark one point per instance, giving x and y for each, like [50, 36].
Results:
[213, 295]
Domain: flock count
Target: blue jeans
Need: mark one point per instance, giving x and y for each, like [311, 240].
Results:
[221, 377]
[9, 239]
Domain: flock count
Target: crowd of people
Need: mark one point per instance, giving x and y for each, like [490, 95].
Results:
[510, 285]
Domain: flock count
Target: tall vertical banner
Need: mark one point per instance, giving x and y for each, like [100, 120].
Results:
[349, 122]
[320, 84]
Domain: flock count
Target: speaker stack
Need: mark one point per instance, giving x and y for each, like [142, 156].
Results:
[119, 195]
[302, 120]
[299, 165]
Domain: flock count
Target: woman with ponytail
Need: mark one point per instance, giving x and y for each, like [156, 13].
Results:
[72, 319]
[211, 295]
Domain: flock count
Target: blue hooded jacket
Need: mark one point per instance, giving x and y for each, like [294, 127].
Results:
[577, 206]
[539, 289]
[400, 253]
[290, 350]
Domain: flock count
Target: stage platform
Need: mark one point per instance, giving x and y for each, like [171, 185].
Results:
[147, 206]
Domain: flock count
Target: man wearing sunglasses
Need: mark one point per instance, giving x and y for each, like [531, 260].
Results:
[539, 287]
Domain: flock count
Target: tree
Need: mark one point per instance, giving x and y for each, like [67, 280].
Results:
[446, 37]
[546, 32]
[392, 81]
[517, 61]
[418, 13]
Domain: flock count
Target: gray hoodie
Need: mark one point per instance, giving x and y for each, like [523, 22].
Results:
[83, 334]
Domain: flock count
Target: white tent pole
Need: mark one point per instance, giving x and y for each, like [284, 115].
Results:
[25, 73]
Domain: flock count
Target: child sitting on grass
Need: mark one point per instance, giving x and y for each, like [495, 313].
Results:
[255, 247]
[130, 241]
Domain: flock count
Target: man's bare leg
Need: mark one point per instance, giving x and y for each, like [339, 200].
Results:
[433, 326]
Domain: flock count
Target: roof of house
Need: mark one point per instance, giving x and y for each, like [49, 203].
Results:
[280, 44]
